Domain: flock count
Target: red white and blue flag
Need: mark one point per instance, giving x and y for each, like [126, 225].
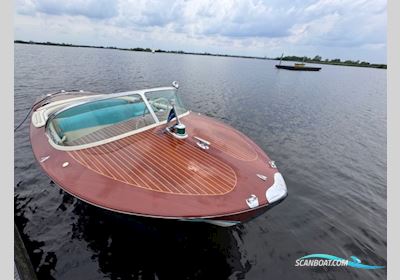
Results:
[171, 115]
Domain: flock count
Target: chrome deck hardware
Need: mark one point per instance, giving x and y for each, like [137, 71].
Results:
[262, 177]
[43, 159]
[175, 84]
[272, 164]
[252, 201]
[205, 145]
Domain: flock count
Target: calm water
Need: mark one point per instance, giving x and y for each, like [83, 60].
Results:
[325, 130]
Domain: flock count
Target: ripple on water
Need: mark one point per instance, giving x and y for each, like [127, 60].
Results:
[326, 131]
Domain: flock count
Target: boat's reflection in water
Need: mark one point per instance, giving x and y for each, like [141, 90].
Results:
[129, 247]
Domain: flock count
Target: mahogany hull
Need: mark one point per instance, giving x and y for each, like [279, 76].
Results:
[155, 175]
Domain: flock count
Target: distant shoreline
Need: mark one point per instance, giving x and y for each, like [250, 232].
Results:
[286, 58]
[317, 59]
[134, 49]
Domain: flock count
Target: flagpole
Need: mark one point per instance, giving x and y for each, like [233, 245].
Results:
[176, 86]
[176, 115]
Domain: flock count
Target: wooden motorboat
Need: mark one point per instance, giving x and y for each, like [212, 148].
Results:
[142, 153]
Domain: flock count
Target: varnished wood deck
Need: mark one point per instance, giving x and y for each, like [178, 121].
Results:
[153, 174]
[156, 161]
[218, 135]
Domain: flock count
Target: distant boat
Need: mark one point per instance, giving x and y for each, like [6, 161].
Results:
[296, 67]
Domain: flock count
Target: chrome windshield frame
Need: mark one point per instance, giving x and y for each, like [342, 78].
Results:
[141, 93]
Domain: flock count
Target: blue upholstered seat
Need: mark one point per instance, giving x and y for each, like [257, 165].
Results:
[96, 114]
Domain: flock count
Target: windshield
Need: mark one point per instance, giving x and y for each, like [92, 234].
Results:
[161, 102]
[98, 120]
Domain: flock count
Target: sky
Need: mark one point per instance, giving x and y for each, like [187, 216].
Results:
[345, 29]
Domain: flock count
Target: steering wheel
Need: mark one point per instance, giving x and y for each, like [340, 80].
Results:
[162, 101]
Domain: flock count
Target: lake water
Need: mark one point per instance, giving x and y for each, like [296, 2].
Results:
[326, 131]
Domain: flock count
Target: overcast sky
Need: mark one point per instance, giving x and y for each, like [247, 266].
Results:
[346, 29]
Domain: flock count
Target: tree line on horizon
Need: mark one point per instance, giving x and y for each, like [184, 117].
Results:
[137, 49]
[316, 59]
[335, 61]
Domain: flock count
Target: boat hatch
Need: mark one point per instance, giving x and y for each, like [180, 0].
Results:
[101, 119]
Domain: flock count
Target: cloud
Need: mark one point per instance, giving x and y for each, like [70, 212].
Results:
[347, 23]
[241, 19]
[94, 9]
[250, 26]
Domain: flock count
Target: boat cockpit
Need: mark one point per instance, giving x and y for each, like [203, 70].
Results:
[82, 123]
